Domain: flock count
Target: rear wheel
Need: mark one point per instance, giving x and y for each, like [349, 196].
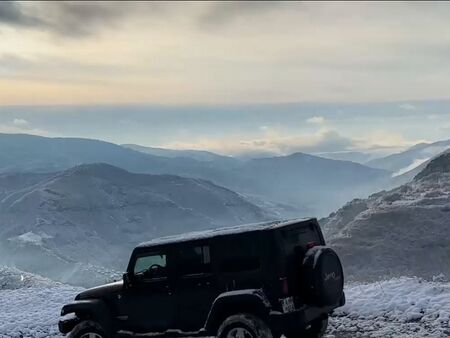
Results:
[316, 329]
[244, 326]
[88, 329]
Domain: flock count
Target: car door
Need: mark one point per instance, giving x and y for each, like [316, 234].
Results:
[195, 284]
[150, 302]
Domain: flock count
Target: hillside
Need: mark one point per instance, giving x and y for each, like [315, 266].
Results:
[404, 231]
[11, 182]
[95, 214]
[13, 279]
[317, 185]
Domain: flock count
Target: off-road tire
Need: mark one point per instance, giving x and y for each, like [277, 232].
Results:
[255, 326]
[317, 329]
[85, 327]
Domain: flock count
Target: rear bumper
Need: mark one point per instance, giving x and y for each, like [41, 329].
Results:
[67, 325]
[292, 321]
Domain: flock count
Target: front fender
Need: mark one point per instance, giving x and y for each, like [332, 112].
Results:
[82, 306]
[90, 309]
[233, 302]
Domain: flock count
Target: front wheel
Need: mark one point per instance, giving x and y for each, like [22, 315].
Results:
[316, 329]
[244, 326]
[87, 329]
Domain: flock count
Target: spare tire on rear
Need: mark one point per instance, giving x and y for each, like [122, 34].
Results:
[322, 276]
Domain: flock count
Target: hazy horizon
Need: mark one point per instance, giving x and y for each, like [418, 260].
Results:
[280, 129]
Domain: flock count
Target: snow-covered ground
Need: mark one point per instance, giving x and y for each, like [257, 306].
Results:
[30, 305]
[33, 312]
[404, 307]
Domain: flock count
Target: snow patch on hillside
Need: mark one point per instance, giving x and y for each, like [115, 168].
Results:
[12, 279]
[31, 238]
[415, 163]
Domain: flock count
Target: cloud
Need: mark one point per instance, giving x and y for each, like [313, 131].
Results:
[21, 126]
[219, 14]
[324, 140]
[316, 120]
[72, 19]
[385, 140]
[20, 123]
[407, 106]
[80, 19]
[12, 13]
[228, 52]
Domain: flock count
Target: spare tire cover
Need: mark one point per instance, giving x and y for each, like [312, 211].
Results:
[322, 276]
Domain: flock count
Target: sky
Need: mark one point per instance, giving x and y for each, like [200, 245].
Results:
[230, 77]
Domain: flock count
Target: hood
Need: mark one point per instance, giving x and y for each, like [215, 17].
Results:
[100, 291]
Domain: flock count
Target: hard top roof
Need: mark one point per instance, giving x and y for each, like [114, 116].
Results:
[205, 234]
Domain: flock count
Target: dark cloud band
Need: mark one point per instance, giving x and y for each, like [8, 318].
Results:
[12, 13]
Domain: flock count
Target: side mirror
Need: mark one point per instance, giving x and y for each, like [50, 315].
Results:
[126, 280]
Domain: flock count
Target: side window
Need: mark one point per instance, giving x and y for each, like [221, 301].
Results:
[240, 255]
[194, 260]
[151, 266]
[240, 264]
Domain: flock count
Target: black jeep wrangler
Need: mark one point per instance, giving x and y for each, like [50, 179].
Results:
[260, 280]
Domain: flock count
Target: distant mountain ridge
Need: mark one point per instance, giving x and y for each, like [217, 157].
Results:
[29, 153]
[305, 184]
[199, 155]
[411, 158]
[354, 156]
[404, 231]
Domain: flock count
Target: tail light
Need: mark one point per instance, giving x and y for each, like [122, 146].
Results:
[284, 286]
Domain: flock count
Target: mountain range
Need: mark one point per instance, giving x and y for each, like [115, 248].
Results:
[304, 184]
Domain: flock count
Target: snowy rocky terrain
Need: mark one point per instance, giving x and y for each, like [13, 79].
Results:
[398, 308]
[80, 225]
[30, 305]
[402, 232]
